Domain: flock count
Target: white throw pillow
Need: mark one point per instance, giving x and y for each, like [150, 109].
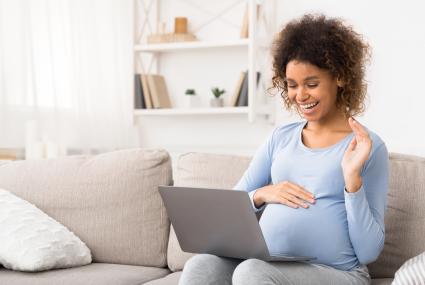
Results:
[30, 240]
[411, 272]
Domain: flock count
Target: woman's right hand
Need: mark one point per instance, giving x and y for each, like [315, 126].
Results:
[286, 193]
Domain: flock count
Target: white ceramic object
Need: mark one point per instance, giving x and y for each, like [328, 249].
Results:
[192, 101]
[217, 102]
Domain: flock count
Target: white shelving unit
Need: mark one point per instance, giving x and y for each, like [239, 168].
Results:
[192, 111]
[155, 50]
[175, 47]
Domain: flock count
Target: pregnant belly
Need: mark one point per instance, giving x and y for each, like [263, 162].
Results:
[320, 231]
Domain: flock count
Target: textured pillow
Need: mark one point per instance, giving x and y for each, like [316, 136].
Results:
[411, 272]
[30, 240]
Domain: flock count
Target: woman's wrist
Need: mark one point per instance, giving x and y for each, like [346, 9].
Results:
[353, 184]
[257, 198]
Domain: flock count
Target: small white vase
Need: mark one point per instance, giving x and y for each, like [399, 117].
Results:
[217, 102]
[192, 101]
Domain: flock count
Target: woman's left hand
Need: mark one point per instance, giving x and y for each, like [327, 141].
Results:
[355, 156]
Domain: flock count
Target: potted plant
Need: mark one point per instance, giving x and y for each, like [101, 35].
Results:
[217, 101]
[192, 100]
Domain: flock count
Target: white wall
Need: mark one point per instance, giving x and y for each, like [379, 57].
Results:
[395, 111]
[396, 32]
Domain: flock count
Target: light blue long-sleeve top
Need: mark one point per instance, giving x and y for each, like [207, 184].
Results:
[341, 229]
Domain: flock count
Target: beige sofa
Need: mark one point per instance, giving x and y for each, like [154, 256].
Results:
[111, 202]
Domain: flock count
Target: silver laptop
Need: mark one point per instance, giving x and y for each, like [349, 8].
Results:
[219, 222]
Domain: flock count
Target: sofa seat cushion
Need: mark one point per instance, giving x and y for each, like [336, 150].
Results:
[382, 281]
[170, 279]
[92, 274]
[110, 201]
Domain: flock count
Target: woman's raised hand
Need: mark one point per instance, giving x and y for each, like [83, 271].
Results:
[286, 193]
[355, 156]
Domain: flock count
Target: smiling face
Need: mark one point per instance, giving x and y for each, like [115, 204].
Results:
[312, 90]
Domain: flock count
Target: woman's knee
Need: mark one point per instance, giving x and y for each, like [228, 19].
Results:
[207, 269]
[253, 271]
[200, 260]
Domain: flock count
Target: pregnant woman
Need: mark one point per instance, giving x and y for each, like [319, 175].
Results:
[321, 182]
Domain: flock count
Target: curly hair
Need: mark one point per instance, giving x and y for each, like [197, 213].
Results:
[330, 45]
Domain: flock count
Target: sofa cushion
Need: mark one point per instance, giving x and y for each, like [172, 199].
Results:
[30, 240]
[93, 274]
[110, 201]
[405, 215]
[382, 281]
[171, 279]
[203, 170]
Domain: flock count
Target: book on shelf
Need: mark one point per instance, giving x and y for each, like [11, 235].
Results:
[243, 96]
[245, 20]
[245, 28]
[146, 91]
[139, 101]
[158, 91]
[10, 154]
[237, 91]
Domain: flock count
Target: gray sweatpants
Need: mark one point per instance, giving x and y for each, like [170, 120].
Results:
[209, 269]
